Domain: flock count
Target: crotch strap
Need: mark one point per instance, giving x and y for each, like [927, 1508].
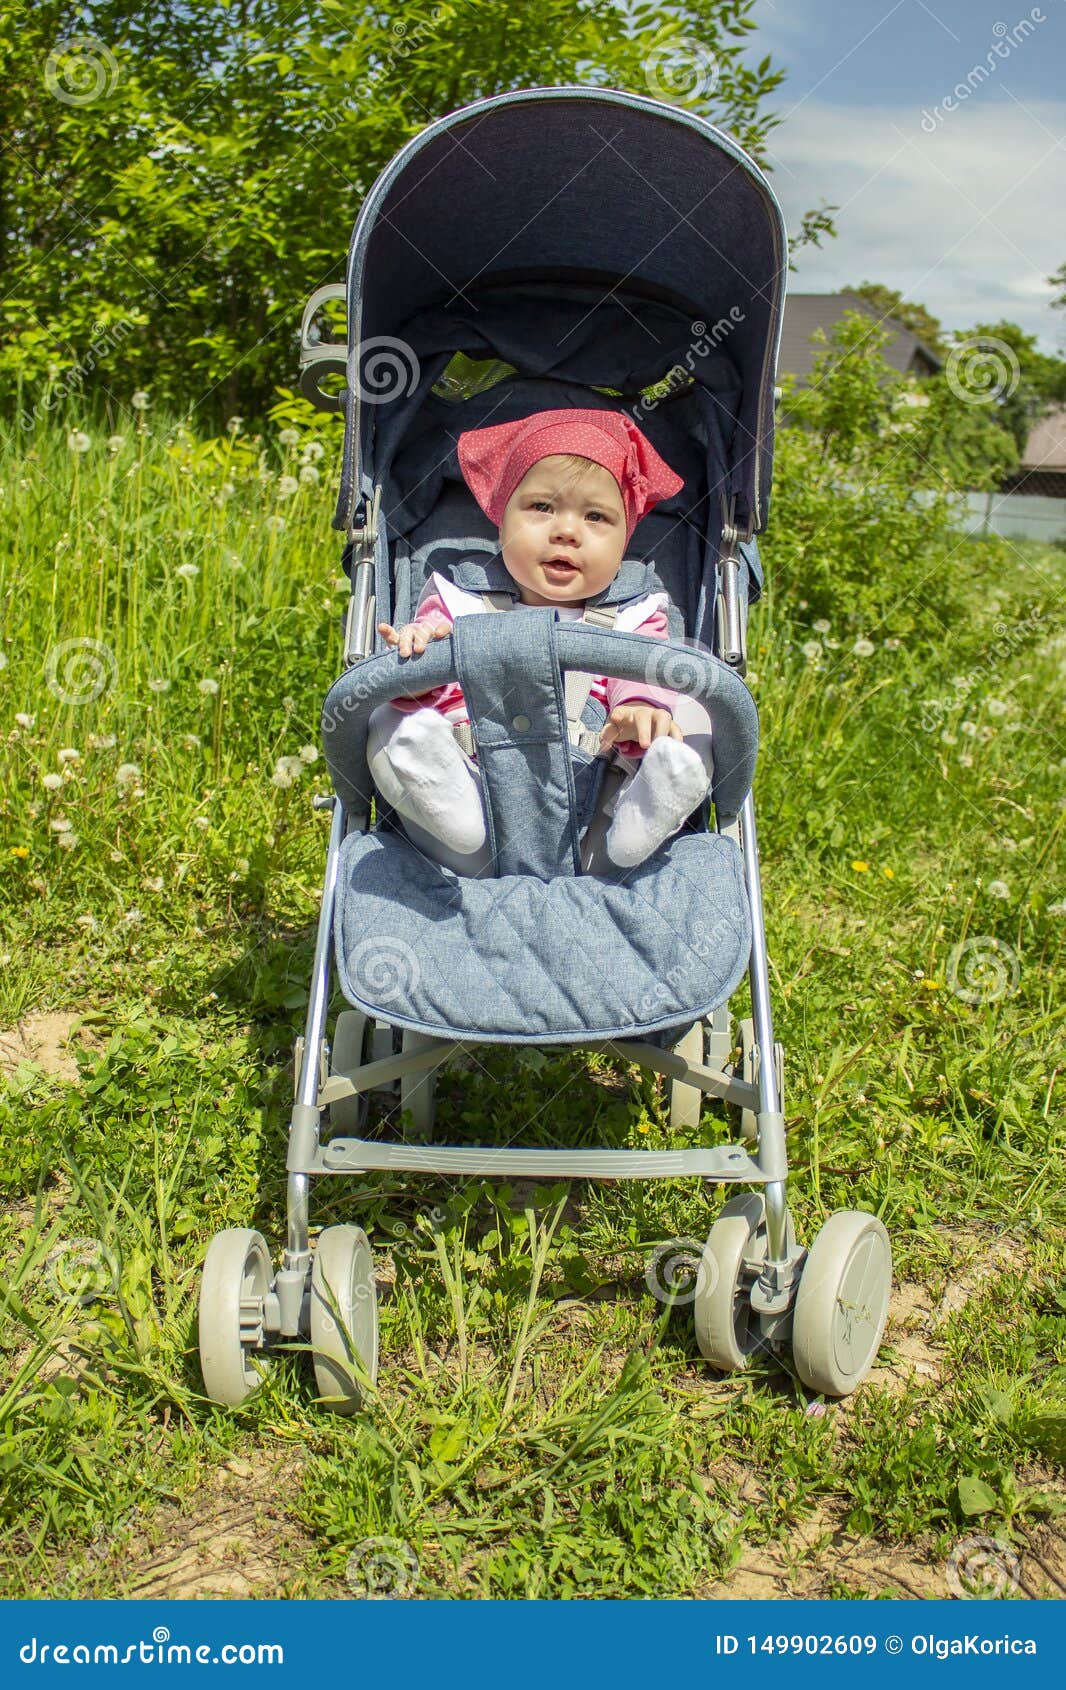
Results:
[510, 677]
[577, 687]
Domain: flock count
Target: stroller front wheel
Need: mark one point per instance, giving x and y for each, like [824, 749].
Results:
[727, 1329]
[842, 1303]
[233, 1290]
[344, 1317]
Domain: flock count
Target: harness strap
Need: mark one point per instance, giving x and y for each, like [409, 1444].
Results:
[577, 688]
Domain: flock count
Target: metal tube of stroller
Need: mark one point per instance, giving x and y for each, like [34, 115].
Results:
[769, 1102]
[314, 1029]
[355, 627]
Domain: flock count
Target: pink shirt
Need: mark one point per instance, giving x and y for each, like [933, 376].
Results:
[442, 600]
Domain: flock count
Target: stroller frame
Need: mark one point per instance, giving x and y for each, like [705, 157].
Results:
[757, 1288]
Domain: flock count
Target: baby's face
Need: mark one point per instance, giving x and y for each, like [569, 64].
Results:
[563, 534]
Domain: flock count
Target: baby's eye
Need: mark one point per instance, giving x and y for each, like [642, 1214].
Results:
[540, 505]
[602, 515]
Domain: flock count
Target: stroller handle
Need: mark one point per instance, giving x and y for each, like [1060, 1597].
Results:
[599, 651]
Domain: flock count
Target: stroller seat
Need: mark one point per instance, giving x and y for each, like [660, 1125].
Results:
[538, 949]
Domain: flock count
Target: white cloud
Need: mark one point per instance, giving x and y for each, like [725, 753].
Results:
[964, 216]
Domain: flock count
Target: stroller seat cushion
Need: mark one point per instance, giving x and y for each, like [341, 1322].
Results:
[518, 959]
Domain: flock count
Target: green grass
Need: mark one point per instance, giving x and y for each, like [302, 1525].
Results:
[541, 1425]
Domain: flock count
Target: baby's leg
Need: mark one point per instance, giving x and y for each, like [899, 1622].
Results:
[670, 782]
[419, 769]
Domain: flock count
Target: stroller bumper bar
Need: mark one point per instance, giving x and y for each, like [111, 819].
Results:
[599, 651]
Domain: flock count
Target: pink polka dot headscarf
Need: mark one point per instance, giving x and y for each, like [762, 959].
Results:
[494, 460]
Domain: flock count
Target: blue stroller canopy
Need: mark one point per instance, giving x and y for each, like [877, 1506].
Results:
[625, 207]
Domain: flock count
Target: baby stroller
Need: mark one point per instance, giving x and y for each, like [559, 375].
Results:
[538, 249]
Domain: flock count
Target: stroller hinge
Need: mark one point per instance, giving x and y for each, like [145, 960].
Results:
[364, 540]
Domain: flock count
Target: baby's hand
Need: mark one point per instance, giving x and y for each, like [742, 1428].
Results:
[639, 722]
[413, 637]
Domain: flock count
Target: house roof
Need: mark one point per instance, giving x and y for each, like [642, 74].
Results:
[806, 312]
[1045, 448]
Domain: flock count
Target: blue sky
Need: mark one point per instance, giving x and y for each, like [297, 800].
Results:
[962, 209]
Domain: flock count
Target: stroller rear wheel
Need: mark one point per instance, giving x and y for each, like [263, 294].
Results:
[687, 1101]
[351, 1037]
[233, 1290]
[842, 1303]
[344, 1316]
[727, 1330]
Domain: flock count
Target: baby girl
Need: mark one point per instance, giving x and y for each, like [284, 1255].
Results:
[566, 489]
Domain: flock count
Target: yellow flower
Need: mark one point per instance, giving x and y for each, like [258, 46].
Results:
[930, 985]
[20, 850]
[642, 1127]
[860, 867]
[889, 873]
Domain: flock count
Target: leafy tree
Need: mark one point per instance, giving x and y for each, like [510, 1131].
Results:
[891, 303]
[176, 178]
[1027, 379]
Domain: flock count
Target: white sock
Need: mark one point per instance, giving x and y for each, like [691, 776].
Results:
[421, 772]
[667, 787]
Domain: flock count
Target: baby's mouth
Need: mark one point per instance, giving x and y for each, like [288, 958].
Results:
[560, 565]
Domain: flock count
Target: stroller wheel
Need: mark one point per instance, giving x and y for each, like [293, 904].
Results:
[748, 1121]
[418, 1091]
[233, 1287]
[842, 1303]
[344, 1316]
[727, 1331]
[687, 1101]
[351, 1037]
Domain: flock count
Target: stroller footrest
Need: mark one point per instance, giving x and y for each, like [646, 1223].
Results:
[719, 1162]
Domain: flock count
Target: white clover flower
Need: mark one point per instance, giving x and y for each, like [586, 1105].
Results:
[59, 824]
[288, 703]
[115, 442]
[23, 720]
[78, 441]
[309, 475]
[234, 425]
[207, 686]
[192, 742]
[863, 648]
[997, 707]
[67, 841]
[287, 486]
[187, 571]
[998, 889]
[811, 649]
[821, 625]
[969, 728]
[201, 822]
[158, 684]
[51, 783]
[127, 774]
[949, 738]
[313, 452]
[309, 754]
[101, 742]
[69, 755]
[139, 400]
[288, 437]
